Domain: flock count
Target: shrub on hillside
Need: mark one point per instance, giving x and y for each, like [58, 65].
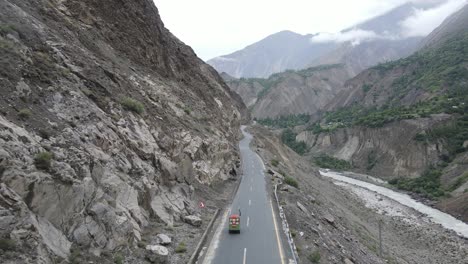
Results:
[428, 184]
[181, 248]
[328, 162]
[314, 257]
[291, 181]
[7, 244]
[132, 105]
[25, 113]
[43, 160]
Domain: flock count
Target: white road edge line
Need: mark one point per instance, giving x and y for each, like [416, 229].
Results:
[277, 234]
[245, 255]
[210, 254]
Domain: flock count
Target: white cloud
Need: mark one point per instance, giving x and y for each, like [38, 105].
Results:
[420, 24]
[217, 27]
[424, 22]
[355, 36]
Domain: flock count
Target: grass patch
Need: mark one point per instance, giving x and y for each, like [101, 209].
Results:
[25, 113]
[6, 29]
[43, 160]
[118, 258]
[274, 162]
[328, 162]
[314, 257]
[7, 244]
[459, 182]
[181, 248]
[141, 244]
[293, 233]
[291, 181]
[75, 256]
[133, 105]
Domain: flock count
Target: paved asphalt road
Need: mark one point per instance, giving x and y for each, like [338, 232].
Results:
[258, 241]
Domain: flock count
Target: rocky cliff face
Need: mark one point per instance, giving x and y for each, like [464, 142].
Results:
[388, 152]
[302, 92]
[107, 123]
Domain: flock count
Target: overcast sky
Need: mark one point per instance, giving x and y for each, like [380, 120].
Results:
[218, 27]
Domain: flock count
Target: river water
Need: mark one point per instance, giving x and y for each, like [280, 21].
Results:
[435, 215]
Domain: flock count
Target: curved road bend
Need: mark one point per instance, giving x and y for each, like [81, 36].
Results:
[259, 241]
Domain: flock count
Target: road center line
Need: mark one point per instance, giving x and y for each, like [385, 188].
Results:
[248, 221]
[245, 256]
[250, 188]
[250, 202]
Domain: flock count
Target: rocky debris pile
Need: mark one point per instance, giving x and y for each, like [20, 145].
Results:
[163, 239]
[303, 208]
[108, 123]
[157, 254]
[193, 220]
[329, 219]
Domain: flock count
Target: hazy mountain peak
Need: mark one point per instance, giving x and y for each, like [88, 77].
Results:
[276, 53]
[454, 24]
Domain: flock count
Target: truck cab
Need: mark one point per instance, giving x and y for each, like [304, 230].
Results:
[234, 223]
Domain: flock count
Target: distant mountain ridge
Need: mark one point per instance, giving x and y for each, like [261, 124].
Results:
[385, 41]
[276, 53]
[291, 92]
[287, 50]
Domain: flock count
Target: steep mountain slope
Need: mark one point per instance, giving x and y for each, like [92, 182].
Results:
[385, 41]
[291, 92]
[359, 57]
[109, 127]
[407, 118]
[455, 24]
[276, 53]
[248, 89]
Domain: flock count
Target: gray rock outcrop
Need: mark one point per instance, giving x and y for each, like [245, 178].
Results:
[157, 254]
[164, 239]
[193, 220]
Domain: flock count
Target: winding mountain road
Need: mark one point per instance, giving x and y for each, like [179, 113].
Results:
[259, 240]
